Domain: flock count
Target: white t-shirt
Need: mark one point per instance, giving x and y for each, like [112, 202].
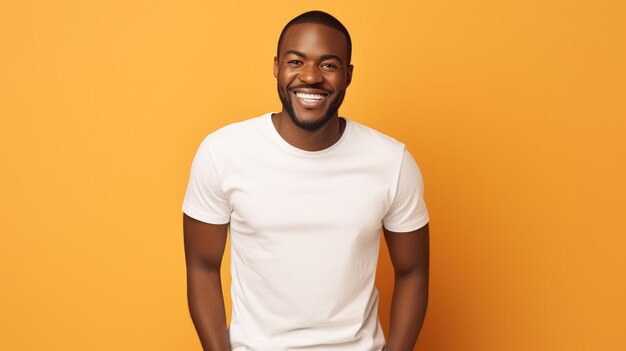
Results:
[305, 230]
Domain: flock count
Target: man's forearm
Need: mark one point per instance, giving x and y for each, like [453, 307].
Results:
[206, 306]
[408, 309]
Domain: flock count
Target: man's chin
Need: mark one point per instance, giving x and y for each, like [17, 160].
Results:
[312, 123]
[317, 119]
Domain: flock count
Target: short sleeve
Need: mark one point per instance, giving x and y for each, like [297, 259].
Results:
[408, 210]
[204, 198]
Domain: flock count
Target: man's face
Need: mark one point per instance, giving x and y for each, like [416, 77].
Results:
[312, 73]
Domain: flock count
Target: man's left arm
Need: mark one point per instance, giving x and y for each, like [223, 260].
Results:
[409, 254]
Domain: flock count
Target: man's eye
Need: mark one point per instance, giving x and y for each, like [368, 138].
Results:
[329, 65]
[294, 62]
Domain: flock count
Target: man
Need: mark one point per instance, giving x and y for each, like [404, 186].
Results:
[305, 194]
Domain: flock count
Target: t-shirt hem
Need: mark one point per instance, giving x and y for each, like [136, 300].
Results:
[408, 227]
[205, 217]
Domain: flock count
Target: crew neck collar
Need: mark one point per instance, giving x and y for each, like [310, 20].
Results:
[283, 144]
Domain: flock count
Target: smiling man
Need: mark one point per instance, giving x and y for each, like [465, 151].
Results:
[305, 194]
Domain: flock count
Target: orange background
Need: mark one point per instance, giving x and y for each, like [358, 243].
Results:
[514, 110]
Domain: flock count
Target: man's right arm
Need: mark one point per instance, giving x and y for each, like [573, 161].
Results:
[204, 248]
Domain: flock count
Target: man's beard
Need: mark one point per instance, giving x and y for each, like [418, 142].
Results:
[333, 109]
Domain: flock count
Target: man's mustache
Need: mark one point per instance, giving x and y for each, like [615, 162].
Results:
[309, 86]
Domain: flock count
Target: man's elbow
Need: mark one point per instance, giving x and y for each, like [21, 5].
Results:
[417, 273]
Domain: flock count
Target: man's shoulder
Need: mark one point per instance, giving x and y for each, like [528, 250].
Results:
[239, 129]
[237, 133]
[235, 137]
[366, 135]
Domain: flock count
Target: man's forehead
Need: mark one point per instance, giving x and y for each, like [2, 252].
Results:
[314, 35]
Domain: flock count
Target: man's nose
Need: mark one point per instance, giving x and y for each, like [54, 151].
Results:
[310, 74]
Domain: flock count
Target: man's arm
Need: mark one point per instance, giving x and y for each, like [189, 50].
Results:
[204, 248]
[410, 258]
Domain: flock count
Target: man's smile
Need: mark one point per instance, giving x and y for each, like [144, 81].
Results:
[310, 100]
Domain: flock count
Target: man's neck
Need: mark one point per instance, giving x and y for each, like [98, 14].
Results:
[308, 140]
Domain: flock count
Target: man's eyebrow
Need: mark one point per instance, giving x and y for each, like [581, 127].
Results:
[323, 58]
[331, 57]
[294, 52]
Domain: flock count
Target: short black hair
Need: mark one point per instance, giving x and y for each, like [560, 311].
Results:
[317, 17]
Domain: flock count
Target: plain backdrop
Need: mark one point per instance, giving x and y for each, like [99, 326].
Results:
[514, 110]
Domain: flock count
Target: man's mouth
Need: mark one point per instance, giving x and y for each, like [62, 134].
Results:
[310, 99]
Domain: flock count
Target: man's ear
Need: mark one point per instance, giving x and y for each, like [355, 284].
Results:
[349, 80]
[276, 66]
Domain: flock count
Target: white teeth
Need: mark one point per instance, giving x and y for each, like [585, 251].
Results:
[306, 96]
